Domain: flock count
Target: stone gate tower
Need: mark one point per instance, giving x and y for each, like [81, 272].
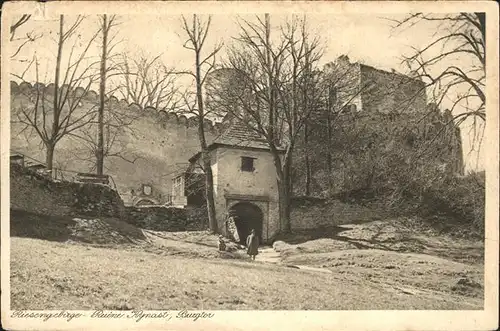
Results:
[244, 181]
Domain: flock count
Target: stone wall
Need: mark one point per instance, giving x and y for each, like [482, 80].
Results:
[168, 219]
[345, 78]
[314, 213]
[33, 193]
[387, 92]
[36, 194]
[373, 90]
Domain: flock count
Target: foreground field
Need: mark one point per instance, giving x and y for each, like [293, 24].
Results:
[176, 271]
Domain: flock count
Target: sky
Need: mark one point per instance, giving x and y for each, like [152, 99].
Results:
[365, 38]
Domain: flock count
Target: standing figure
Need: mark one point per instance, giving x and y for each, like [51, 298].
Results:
[222, 244]
[252, 244]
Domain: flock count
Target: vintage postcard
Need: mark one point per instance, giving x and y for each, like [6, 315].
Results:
[249, 165]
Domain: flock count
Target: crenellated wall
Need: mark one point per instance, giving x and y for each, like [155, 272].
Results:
[157, 144]
[26, 89]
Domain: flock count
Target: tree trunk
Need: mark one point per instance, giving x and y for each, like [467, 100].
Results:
[284, 205]
[209, 181]
[329, 160]
[209, 191]
[270, 82]
[56, 109]
[283, 177]
[307, 165]
[289, 174]
[50, 145]
[49, 155]
[102, 91]
[331, 104]
[284, 196]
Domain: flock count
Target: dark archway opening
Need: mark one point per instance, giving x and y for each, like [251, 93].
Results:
[247, 216]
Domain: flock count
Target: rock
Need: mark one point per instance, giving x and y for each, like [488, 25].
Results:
[278, 244]
[466, 282]
[231, 248]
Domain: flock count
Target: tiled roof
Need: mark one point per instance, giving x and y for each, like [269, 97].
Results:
[238, 134]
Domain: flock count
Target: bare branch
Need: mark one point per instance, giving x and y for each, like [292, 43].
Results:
[464, 37]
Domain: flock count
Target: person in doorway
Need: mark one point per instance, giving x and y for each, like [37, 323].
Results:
[252, 244]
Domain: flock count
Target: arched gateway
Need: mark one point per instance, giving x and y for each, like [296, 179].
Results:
[247, 216]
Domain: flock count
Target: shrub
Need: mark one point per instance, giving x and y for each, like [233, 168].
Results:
[409, 167]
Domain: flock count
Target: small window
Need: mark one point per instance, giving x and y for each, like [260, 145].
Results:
[247, 164]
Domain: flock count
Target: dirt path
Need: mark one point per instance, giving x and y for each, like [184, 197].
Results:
[268, 255]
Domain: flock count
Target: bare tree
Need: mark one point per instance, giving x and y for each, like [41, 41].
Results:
[274, 98]
[197, 31]
[117, 127]
[25, 39]
[22, 20]
[56, 113]
[453, 63]
[107, 47]
[148, 83]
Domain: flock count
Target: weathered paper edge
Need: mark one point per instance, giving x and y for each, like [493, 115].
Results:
[290, 320]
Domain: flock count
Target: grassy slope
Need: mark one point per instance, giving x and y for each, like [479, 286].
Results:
[109, 264]
[54, 275]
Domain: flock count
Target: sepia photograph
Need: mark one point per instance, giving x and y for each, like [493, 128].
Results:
[196, 161]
